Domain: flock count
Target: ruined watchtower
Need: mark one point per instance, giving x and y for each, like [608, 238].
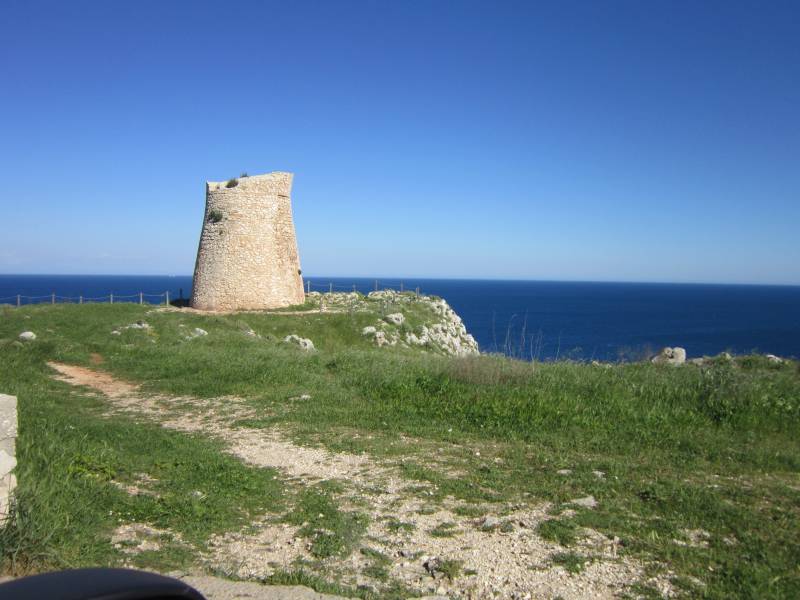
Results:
[247, 258]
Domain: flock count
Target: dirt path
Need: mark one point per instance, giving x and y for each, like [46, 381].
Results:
[507, 560]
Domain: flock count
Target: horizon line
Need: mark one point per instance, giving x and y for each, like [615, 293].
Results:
[428, 278]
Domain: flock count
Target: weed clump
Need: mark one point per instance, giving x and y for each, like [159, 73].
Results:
[572, 562]
[214, 216]
[231, 183]
[562, 531]
[331, 531]
[447, 529]
[450, 568]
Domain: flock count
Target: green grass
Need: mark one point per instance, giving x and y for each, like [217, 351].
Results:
[332, 532]
[380, 563]
[446, 529]
[715, 447]
[563, 531]
[396, 526]
[69, 455]
[572, 562]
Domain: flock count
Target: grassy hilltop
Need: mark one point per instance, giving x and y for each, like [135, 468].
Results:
[692, 471]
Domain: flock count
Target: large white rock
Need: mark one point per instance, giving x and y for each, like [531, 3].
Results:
[670, 356]
[27, 336]
[304, 343]
[395, 318]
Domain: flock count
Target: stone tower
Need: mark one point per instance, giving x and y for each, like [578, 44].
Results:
[247, 258]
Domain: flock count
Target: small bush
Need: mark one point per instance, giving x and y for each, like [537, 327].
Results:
[232, 183]
[243, 175]
[214, 216]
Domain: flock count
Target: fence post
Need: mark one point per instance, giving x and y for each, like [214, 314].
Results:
[167, 296]
[417, 291]
[376, 285]
[308, 286]
[18, 299]
[52, 298]
[80, 299]
[331, 288]
[401, 287]
[141, 298]
[111, 298]
[354, 288]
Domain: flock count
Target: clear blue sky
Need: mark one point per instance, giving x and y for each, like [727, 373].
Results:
[628, 141]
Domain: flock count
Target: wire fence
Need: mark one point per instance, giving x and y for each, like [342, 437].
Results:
[163, 298]
[111, 298]
[363, 287]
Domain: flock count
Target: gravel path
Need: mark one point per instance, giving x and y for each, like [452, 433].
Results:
[507, 560]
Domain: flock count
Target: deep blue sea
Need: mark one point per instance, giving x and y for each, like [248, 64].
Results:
[539, 319]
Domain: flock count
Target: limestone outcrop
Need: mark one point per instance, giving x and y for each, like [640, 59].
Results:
[406, 319]
[247, 257]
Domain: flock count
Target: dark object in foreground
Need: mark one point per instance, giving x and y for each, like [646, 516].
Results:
[98, 584]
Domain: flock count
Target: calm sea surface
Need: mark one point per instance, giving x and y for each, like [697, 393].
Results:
[540, 319]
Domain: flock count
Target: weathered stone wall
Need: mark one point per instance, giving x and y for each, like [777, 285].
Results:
[8, 458]
[247, 258]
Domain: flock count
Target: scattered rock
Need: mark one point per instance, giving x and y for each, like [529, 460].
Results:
[369, 330]
[724, 356]
[303, 343]
[564, 471]
[697, 361]
[250, 333]
[199, 332]
[695, 538]
[775, 360]
[133, 538]
[670, 356]
[138, 325]
[27, 336]
[395, 318]
[599, 474]
[431, 565]
[587, 502]
[490, 522]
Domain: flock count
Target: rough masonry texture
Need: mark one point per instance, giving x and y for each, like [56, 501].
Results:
[247, 258]
[8, 458]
